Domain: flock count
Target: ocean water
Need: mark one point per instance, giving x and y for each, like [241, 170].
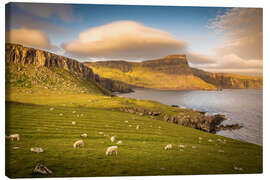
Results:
[243, 106]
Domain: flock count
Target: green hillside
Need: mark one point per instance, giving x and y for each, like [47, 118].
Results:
[42, 101]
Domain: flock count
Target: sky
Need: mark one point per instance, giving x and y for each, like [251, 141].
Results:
[214, 39]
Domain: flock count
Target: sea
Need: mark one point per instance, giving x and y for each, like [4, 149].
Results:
[243, 106]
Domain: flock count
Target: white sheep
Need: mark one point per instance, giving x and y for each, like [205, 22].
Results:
[14, 136]
[182, 146]
[119, 142]
[137, 127]
[73, 112]
[36, 149]
[73, 122]
[51, 109]
[78, 143]
[111, 150]
[113, 138]
[61, 114]
[169, 146]
[84, 135]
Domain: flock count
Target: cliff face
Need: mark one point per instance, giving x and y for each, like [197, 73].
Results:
[229, 81]
[20, 55]
[172, 72]
[172, 64]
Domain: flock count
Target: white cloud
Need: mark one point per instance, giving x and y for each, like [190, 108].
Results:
[124, 40]
[29, 37]
[242, 28]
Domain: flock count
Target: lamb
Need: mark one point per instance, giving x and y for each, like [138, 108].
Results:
[84, 135]
[113, 138]
[14, 136]
[78, 143]
[111, 150]
[168, 147]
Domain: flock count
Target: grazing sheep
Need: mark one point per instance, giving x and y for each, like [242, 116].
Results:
[126, 121]
[78, 143]
[210, 140]
[81, 115]
[119, 142]
[113, 138]
[84, 135]
[51, 109]
[36, 149]
[130, 125]
[238, 169]
[100, 132]
[200, 138]
[61, 114]
[73, 122]
[14, 136]
[78, 115]
[73, 112]
[137, 127]
[168, 147]
[182, 146]
[194, 147]
[111, 150]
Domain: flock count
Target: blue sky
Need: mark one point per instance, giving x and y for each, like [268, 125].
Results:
[182, 30]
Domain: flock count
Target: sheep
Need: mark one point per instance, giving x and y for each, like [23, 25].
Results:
[61, 114]
[73, 112]
[210, 140]
[137, 127]
[84, 135]
[14, 136]
[36, 149]
[126, 121]
[78, 143]
[194, 147]
[200, 138]
[119, 142]
[51, 109]
[182, 146]
[100, 132]
[112, 149]
[168, 147]
[73, 122]
[113, 138]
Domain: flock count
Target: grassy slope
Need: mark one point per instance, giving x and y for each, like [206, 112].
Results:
[32, 92]
[144, 77]
[142, 151]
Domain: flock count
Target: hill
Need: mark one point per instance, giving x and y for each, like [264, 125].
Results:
[45, 94]
[171, 72]
[34, 68]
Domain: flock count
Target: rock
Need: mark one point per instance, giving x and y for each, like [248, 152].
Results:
[175, 106]
[41, 169]
[36, 149]
[155, 113]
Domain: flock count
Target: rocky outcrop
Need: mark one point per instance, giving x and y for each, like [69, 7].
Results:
[196, 119]
[18, 54]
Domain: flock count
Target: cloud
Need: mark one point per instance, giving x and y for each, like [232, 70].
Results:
[29, 37]
[198, 58]
[63, 11]
[234, 64]
[242, 28]
[124, 40]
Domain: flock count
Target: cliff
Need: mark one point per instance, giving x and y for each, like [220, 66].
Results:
[20, 55]
[173, 73]
[229, 81]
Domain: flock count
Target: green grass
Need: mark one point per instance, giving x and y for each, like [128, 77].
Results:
[142, 152]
